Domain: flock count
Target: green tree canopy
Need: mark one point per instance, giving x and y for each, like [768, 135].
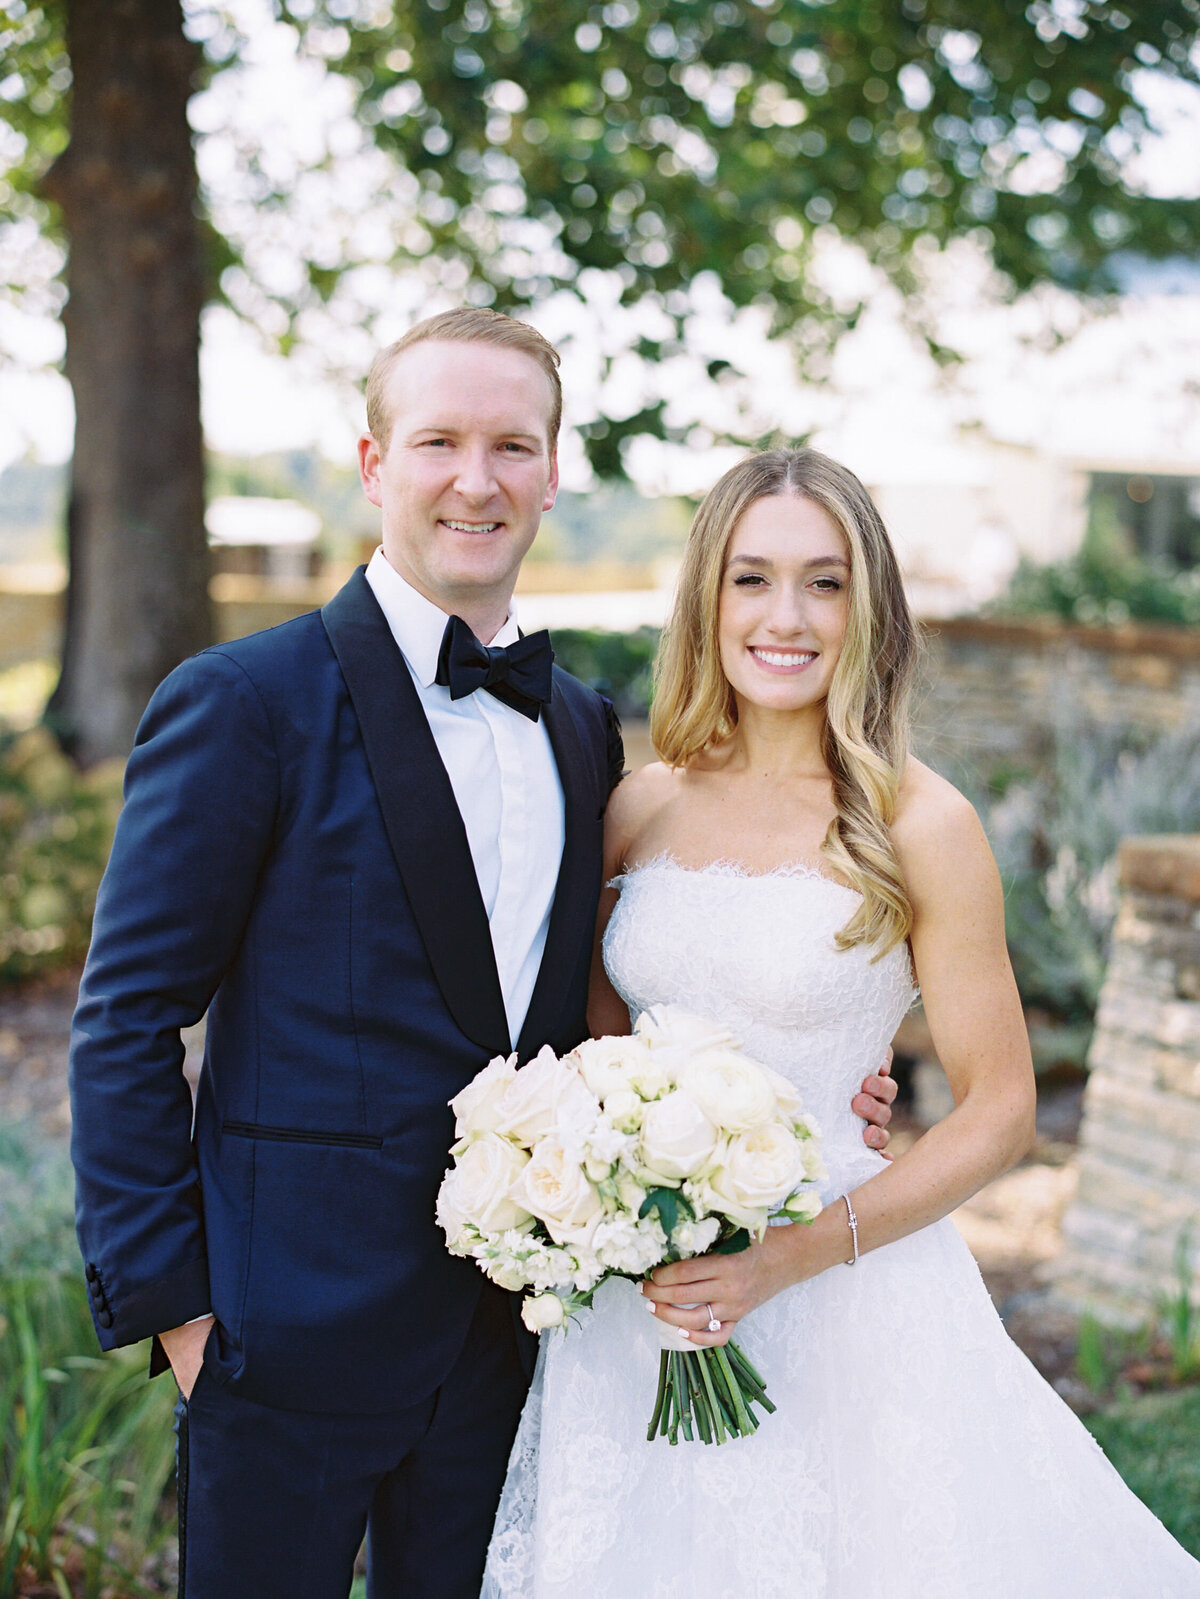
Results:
[529, 150]
[658, 140]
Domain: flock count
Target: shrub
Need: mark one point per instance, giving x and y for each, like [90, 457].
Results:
[620, 665]
[56, 827]
[1055, 833]
[37, 1185]
[1105, 584]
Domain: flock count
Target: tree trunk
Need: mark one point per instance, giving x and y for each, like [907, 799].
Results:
[138, 598]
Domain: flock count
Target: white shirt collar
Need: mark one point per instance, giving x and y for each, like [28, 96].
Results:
[417, 624]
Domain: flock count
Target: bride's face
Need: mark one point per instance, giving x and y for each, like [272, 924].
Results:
[784, 603]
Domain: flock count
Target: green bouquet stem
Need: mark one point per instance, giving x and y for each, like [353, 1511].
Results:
[706, 1393]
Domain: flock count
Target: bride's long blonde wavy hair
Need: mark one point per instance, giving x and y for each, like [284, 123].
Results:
[866, 734]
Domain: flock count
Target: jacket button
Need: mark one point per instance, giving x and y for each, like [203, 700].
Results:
[91, 1273]
[95, 1292]
[105, 1317]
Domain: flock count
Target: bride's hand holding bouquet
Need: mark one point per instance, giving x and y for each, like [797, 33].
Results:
[666, 1149]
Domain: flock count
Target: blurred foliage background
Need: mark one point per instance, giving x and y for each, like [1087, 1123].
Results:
[645, 167]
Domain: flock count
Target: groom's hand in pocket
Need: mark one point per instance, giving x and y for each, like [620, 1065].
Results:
[873, 1103]
[184, 1348]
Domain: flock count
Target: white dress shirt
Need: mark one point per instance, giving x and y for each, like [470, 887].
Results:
[505, 783]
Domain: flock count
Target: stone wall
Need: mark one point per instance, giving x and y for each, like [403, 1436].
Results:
[996, 691]
[1139, 1154]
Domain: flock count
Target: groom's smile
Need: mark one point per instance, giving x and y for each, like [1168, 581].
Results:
[464, 474]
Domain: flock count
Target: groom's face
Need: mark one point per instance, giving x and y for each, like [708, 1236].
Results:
[466, 473]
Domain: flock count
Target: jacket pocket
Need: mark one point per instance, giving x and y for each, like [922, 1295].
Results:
[296, 1135]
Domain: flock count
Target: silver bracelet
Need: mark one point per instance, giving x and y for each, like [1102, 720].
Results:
[853, 1220]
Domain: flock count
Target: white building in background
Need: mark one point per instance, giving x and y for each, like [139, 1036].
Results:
[963, 511]
[1008, 460]
[255, 536]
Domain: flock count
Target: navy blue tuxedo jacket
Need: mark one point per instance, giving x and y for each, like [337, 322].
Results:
[291, 860]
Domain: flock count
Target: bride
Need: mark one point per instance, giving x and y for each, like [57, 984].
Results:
[791, 872]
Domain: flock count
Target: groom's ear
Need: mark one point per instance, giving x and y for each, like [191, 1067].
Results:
[369, 456]
[552, 486]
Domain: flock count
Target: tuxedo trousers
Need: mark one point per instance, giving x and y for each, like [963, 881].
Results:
[273, 1504]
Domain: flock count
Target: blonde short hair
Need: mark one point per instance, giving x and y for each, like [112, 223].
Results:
[465, 325]
[865, 739]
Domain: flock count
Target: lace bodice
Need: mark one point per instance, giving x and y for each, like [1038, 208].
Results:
[756, 951]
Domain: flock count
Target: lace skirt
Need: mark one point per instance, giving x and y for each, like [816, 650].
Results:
[914, 1454]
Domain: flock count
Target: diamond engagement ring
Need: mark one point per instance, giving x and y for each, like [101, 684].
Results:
[713, 1324]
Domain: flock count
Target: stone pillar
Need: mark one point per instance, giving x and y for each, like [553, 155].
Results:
[1139, 1152]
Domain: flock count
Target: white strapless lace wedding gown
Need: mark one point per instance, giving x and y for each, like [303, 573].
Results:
[915, 1453]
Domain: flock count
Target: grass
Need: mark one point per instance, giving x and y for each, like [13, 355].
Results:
[1154, 1442]
[86, 1450]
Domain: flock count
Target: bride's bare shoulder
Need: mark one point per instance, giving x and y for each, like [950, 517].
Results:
[635, 803]
[936, 830]
[641, 794]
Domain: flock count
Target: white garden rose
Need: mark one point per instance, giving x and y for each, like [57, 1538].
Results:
[814, 1167]
[672, 1027]
[786, 1096]
[678, 1139]
[624, 1109]
[476, 1107]
[807, 1131]
[629, 1191]
[553, 1188]
[542, 1312]
[803, 1206]
[543, 1095]
[733, 1092]
[606, 1064]
[758, 1171]
[654, 1077]
[476, 1191]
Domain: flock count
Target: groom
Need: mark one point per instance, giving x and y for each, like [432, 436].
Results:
[367, 843]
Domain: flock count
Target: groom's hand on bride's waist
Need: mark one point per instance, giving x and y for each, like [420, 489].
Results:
[873, 1103]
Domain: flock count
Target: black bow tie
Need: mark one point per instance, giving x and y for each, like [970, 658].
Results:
[518, 674]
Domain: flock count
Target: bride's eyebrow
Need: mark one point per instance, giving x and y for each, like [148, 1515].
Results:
[807, 566]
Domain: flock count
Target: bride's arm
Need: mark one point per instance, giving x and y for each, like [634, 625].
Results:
[978, 1030]
[606, 1010]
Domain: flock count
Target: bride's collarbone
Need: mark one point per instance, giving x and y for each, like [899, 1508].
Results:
[756, 851]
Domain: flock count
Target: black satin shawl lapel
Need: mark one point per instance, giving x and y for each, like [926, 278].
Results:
[573, 888]
[423, 823]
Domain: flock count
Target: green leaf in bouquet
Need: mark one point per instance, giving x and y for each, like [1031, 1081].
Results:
[670, 1204]
[734, 1244]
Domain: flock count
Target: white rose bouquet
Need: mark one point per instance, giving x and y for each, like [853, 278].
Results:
[625, 1154]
